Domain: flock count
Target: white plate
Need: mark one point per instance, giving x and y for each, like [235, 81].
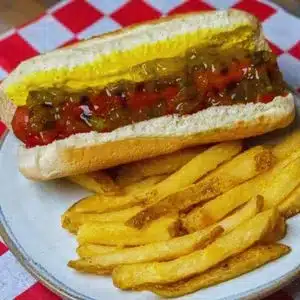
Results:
[30, 224]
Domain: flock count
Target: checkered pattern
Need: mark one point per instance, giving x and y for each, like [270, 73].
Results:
[72, 20]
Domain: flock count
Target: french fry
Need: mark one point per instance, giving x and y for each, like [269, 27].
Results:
[196, 168]
[291, 205]
[282, 185]
[164, 164]
[289, 145]
[236, 241]
[72, 221]
[241, 168]
[159, 251]
[171, 247]
[89, 250]
[100, 203]
[274, 185]
[99, 182]
[278, 232]
[144, 184]
[233, 267]
[118, 234]
[246, 212]
[199, 166]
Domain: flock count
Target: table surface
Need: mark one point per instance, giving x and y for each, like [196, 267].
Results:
[56, 27]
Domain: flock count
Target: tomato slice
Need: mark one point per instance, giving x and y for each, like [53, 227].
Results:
[140, 100]
[76, 127]
[72, 110]
[170, 92]
[33, 140]
[103, 105]
[235, 75]
[20, 123]
[206, 81]
[169, 95]
[266, 98]
[218, 81]
[202, 81]
[48, 136]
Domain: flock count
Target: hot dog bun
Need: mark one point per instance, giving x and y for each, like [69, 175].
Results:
[82, 153]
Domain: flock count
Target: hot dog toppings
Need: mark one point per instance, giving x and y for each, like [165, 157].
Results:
[185, 85]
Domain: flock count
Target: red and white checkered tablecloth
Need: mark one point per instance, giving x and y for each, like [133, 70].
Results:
[73, 20]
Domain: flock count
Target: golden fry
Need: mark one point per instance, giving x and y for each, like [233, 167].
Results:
[289, 145]
[291, 205]
[282, 185]
[144, 184]
[274, 185]
[164, 164]
[159, 251]
[192, 171]
[100, 203]
[118, 234]
[236, 241]
[242, 263]
[197, 167]
[241, 168]
[99, 182]
[73, 220]
[278, 233]
[246, 212]
[136, 230]
[88, 250]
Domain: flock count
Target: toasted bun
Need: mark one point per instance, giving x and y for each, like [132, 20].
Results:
[82, 153]
[87, 152]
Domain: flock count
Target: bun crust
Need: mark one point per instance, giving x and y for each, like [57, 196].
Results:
[83, 153]
[7, 109]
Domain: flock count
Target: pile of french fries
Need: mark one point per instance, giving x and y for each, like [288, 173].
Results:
[188, 220]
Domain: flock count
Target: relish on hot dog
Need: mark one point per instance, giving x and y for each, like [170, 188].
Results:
[200, 79]
[145, 91]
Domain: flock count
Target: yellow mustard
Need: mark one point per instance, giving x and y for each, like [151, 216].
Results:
[119, 65]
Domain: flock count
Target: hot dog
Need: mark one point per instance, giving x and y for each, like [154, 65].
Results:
[144, 91]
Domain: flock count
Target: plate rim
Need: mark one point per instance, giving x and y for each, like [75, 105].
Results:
[30, 265]
[41, 275]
